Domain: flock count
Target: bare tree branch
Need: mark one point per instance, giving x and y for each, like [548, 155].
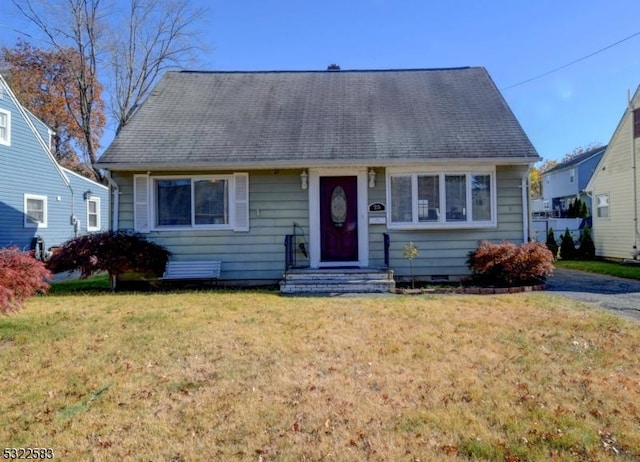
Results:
[160, 37]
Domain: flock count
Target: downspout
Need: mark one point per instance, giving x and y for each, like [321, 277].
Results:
[525, 205]
[634, 251]
[115, 203]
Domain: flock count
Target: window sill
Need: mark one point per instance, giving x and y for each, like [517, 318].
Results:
[441, 226]
[193, 228]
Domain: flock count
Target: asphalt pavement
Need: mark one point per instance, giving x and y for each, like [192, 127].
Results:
[618, 295]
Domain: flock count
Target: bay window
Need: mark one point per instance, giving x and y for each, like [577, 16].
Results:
[441, 200]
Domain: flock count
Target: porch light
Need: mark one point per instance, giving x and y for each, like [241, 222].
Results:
[87, 194]
[372, 178]
[304, 179]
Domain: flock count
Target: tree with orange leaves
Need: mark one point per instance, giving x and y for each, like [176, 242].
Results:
[43, 81]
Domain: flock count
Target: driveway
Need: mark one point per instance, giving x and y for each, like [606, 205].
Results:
[621, 296]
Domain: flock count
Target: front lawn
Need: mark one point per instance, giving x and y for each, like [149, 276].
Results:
[255, 376]
[602, 267]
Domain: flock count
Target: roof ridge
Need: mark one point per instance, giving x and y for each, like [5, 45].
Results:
[324, 71]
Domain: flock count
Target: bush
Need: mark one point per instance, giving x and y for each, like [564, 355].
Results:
[21, 276]
[551, 243]
[567, 247]
[507, 264]
[587, 249]
[115, 252]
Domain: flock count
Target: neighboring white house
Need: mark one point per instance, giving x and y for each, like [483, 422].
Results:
[614, 189]
[566, 182]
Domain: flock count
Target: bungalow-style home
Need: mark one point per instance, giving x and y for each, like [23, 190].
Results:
[344, 167]
[566, 182]
[614, 190]
[41, 204]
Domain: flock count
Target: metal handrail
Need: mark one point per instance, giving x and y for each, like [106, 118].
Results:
[387, 244]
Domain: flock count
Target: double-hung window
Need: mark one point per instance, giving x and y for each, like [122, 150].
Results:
[441, 199]
[93, 214]
[5, 127]
[191, 202]
[185, 202]
[602, 205]
[35, 211]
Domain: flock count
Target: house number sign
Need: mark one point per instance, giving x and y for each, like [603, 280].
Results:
[377, 207]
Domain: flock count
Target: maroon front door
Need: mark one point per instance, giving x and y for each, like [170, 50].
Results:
[338, 219]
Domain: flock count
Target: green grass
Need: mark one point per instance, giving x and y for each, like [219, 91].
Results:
[252, 376]
[99, 283]
[602, 267]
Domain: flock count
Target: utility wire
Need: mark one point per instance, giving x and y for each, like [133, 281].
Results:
[571, 63]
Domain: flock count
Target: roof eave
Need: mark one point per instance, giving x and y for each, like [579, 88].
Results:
[289, 164]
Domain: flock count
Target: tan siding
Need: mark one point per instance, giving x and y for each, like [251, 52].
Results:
[613, 236]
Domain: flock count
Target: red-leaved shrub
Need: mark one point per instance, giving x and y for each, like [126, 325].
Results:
[115, 252]
[507, 264]
[21, 276]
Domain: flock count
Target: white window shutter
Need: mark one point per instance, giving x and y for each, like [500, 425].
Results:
[241, 204]
[141, 203]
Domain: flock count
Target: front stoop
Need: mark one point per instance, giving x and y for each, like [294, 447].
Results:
[337, 281]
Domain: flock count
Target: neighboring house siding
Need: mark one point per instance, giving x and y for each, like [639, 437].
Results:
[613, 236]
[81, 185]
[558, 184]
[26, 169]
[445, 252]
[276, 201]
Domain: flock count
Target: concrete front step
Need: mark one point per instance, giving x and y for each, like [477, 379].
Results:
[337, 281]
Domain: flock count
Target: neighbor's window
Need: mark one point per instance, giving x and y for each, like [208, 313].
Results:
[5, 127]
[191, 201]
[93, 214]
[441, 199]
[35, 211]
[602, 205]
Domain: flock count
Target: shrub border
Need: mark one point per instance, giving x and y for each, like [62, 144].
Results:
[472, 290]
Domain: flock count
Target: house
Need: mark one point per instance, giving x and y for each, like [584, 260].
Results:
[561, 186]
[566, 182]
[41, 204]
[352, 165]
[614, 189]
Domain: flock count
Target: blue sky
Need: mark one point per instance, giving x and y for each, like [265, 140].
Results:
[515, 40]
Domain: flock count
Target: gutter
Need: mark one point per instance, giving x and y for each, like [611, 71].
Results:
[525, 205]
[115, 202]
[312, 163]
[634, 251]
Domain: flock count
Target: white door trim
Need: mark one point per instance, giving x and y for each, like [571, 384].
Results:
[314, 215]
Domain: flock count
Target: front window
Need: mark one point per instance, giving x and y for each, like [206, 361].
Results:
[5, 127]
[428, 198]
[423, 200]
[192, 202]
[602, 205]
[35, 211]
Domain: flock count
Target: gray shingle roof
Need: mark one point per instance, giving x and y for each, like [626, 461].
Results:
[320, 118]
[578, 159]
